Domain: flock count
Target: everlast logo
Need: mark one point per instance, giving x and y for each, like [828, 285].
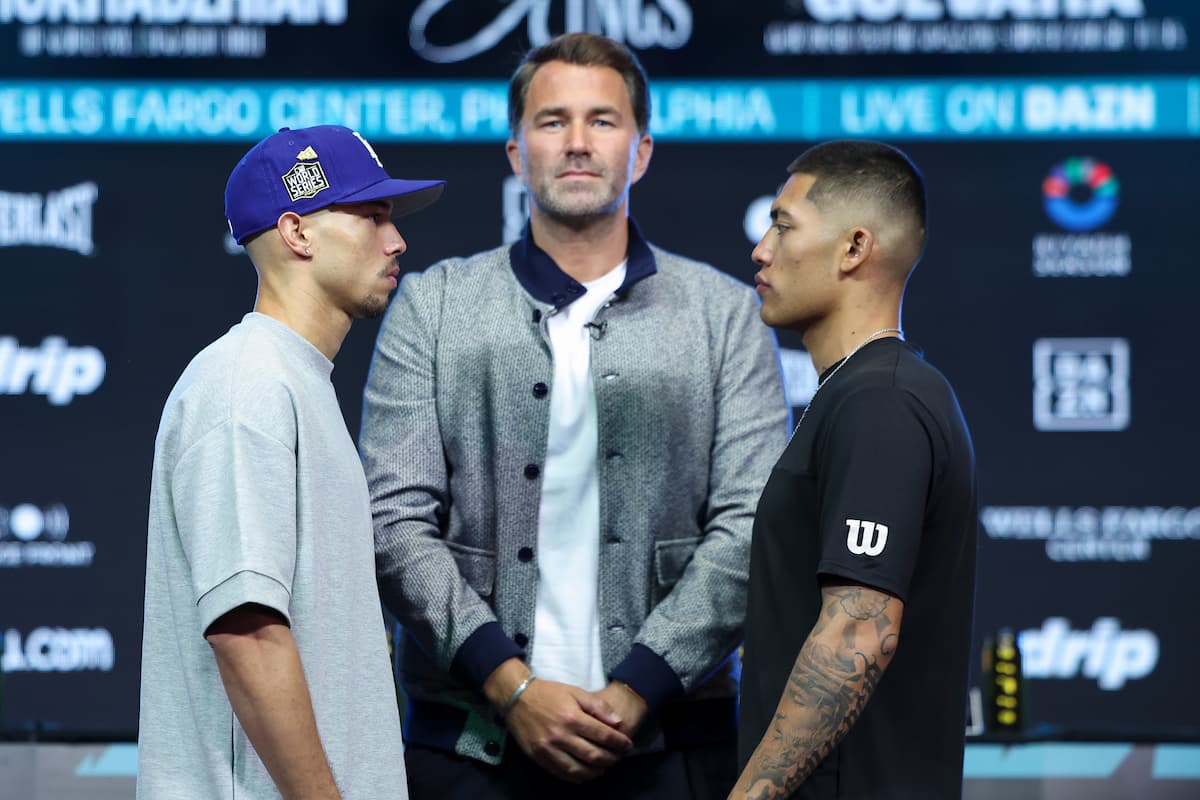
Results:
[57, 219]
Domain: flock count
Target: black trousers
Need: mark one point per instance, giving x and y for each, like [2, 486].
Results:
[699, 772]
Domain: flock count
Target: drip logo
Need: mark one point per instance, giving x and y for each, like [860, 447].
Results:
[53, 370]
[641, 25]
[31, 536]
[1081, 384]
[59, 650]
[1080, 194]
[1106, 654]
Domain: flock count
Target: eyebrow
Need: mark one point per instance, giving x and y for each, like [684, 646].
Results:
[559, 111]
[777, 212]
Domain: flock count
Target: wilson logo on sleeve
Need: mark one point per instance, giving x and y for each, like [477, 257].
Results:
[865, 538]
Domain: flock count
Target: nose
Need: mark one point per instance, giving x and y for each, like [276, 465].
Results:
[761, 254]
[577, 142]
[396, 246]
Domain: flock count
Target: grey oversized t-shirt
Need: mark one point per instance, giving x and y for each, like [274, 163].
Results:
[258, 496]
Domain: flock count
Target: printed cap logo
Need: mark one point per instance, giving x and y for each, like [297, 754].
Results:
[370, 149]
[1080, 194]
[305, 180]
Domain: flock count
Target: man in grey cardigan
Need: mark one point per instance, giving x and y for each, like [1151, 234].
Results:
[565, 440]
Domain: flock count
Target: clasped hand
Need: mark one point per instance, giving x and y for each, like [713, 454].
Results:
[574, 734]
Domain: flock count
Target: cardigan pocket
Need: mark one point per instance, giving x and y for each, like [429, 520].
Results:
[478, 567]
[671, 558]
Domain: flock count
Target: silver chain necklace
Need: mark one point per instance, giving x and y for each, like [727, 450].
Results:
[841, 364]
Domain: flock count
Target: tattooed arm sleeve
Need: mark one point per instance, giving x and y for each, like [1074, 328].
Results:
[839, 666]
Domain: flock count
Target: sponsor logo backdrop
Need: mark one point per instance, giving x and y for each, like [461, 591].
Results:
[1058, 140]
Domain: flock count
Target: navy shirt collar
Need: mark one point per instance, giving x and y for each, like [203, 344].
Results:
[546, 282]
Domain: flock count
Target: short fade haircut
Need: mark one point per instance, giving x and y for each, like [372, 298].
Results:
[857, 173]
[585, 50]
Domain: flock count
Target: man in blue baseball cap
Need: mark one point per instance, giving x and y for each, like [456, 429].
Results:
[265, 670]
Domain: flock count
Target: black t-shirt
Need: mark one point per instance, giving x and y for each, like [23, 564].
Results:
[876, 487]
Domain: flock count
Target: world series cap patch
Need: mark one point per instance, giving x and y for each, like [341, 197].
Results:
[305, 180]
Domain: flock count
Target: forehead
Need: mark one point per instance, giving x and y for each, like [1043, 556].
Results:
[558, 84]
[793, 197]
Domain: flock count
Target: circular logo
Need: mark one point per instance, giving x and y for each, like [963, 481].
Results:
[1080, 194]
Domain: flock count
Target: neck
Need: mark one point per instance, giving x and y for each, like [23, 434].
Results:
[324, 327]
[829, 347]
[585, 252]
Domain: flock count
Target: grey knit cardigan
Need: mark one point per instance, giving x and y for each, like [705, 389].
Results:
[691, 418]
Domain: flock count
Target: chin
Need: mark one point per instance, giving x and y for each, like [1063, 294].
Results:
[370, 309]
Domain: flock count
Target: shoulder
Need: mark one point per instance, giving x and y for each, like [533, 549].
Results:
[244, 378]
[699, 276]
[447, 289]
[896, 386]
[483, 266]
[709, 298]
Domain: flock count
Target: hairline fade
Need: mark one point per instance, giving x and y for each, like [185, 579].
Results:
[585, 50]
[851, 172]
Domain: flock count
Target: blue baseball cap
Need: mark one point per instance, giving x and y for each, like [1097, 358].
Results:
[307, 169]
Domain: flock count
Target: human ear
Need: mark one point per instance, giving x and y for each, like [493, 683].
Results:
[512, 149]
[641, 157]
[294, 233]
[860, 243]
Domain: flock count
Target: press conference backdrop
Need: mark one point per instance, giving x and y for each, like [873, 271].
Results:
[1058, 138]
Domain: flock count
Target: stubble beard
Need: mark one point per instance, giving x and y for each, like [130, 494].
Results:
[576, 206]
[372, 306]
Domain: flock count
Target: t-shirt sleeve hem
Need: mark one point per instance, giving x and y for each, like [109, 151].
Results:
[875, 581]
[239, 589]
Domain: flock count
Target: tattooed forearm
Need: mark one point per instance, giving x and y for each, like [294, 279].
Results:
[861, 603]
[835, 674]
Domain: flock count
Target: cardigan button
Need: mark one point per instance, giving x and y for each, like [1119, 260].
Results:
[540, 390]
[525, 554]
[532, 471]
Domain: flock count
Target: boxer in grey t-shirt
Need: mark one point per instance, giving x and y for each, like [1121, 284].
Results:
[264, 667]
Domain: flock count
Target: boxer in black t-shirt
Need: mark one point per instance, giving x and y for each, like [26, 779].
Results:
[862, 566]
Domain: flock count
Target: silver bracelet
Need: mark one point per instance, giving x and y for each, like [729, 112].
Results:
[520, 690]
